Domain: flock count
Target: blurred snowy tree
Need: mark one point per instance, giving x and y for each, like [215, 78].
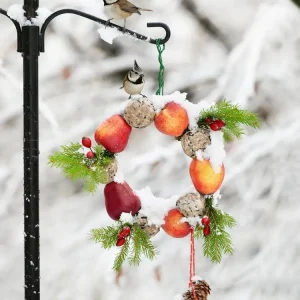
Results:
[246, 50]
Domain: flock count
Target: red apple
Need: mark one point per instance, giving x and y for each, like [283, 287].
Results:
[113, 134]
[119, 198]
[174, 226]
[205, 179]
[172, 119]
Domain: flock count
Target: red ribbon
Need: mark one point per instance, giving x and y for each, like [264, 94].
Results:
[192, 264]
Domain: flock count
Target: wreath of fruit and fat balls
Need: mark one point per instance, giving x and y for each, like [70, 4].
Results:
[201, 129]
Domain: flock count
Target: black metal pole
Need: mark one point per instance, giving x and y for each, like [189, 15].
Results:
[30, 47]
[30, 43]
[30, 7]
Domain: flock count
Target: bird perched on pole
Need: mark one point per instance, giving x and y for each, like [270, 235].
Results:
[134, 81]
[121, 10]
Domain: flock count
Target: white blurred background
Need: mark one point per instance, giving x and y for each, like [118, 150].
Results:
[245, 50]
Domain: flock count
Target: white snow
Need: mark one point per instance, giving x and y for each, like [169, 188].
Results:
[196, 278]
[120, 110]
[126, 218]
[154, 208]
[193, 111]
[16, 12]
[193, 221]
[199, 155]
[215, 152]
[119, 176]
[42, 15]
[159, 102]
[216, 197]
[108, 34]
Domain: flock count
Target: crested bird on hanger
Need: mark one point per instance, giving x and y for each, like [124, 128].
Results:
[134, 81]
[121, 10]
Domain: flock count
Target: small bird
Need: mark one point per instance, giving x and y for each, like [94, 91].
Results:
[134, 81]
[121, 10]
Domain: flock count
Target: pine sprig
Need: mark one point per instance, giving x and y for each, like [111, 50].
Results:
[218, 242]
[136, 245]
[107, 236]
[233, 116]
[75, 165]
[143, 241]
[121, 257]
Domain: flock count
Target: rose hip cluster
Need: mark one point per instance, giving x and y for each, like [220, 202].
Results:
[215, 125]
[123, 234]
[205, 222]
[86, 142]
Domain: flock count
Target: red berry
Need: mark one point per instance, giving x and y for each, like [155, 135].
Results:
[220, 123]
[86, 142]
[120, 242]
[121, 235]
[206, 230]
[90, 155]
[208, 120]
[126, 231]
[214, 126]
[205, 221]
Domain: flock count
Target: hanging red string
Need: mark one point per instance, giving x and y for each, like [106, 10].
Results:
[192, 264]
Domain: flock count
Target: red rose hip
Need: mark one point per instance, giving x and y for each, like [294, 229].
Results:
[206, 231]
[205, 221]
[214, 126]
[90, 155]
[120, 242]
[220, 123]
[86, 142]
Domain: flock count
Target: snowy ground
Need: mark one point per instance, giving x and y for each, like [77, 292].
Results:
[246, 51]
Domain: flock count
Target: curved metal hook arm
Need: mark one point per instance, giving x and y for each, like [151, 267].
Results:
[18, 27]
[101, 21]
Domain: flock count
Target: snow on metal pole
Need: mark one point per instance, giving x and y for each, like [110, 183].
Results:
[30, 49]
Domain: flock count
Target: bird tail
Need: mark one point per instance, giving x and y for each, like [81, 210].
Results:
[145, 9]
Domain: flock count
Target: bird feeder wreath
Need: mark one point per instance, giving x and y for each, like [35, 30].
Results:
[138, 215]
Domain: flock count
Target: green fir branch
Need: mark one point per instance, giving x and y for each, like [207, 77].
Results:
[136, 245]
[218, 242]
[136, 251]
[121, 257]
[75, 165]
[198, 232]
[143, 239]
[107, 236]
[233, 116]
